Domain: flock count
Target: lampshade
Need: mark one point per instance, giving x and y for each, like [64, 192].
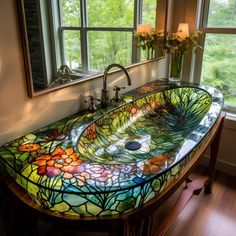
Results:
[183, 27]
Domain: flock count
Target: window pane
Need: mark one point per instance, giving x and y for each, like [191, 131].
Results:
[149, 12]
[72, 49]
[110, 13]
[222, 13]
[70, 12]
[219, 65]
[109, 47]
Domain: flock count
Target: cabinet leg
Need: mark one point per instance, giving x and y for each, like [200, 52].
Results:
[213, 157]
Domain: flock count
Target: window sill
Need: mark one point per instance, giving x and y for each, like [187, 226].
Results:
[230, 121]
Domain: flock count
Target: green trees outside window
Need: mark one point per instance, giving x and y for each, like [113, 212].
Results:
[219, 67]
[110, 13]
[219, 59]
[103, 29]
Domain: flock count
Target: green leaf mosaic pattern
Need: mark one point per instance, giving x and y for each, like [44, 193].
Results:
[80, 166]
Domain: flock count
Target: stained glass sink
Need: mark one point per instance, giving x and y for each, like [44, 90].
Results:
[156, 124]
[94, 165]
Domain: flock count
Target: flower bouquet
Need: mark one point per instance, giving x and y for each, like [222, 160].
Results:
[149, 39]
[177, 44]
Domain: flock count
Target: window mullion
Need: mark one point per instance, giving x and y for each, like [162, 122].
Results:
[58, 41]
[84, 37]
[219, 30]
[198, 58]
[137, 20]
[128, 29]
[206, 6]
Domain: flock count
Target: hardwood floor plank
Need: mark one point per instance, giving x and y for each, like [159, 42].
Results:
[209, 215]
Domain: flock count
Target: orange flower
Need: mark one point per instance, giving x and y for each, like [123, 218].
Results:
[29, 147]
[134, 109]
[59, 161]
[157, 163]
[154, 104]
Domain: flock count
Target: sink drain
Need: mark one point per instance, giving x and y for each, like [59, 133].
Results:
[133, 146]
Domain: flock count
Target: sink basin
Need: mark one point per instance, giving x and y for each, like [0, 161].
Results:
[95, 165]
[158, 123]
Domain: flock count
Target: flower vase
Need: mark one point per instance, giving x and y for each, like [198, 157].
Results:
[149, 53]
[176, 65]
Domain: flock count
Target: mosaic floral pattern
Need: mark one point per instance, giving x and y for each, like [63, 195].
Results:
[29, 147]
[81, 166]
[59, 161]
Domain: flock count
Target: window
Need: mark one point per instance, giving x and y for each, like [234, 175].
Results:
[93, 34]
[219, 57]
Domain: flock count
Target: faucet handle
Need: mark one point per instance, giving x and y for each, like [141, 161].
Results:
[117, 89]
[91, 106]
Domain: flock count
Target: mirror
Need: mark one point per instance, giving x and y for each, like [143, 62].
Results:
[65, 44]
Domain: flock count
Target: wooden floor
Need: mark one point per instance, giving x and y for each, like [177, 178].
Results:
[209, 215]
[204, 215]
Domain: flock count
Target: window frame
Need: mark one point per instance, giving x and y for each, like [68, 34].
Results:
[84, 29]
[204, 12]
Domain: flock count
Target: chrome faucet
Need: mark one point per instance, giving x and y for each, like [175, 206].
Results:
[104, 97]
[65, 73]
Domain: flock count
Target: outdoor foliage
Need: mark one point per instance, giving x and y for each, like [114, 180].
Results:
[104, 46]
[220, 50]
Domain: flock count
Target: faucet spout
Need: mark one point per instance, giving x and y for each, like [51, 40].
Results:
[104, 98]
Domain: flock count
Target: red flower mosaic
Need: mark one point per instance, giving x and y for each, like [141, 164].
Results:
[59, 161]
[29, 147]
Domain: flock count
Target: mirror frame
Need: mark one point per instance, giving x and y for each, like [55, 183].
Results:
[27, 62]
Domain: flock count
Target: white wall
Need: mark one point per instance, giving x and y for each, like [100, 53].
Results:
[19, 114]
[227, 153]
